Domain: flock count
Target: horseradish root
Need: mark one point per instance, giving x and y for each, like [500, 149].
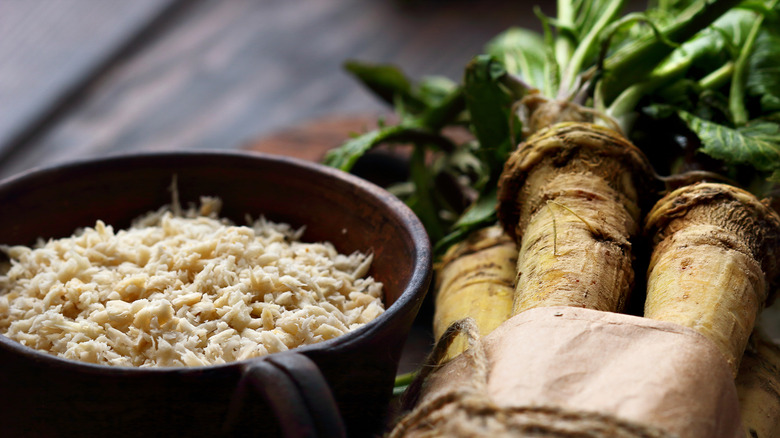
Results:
[570, 196]
[715, 256]
[475, 280]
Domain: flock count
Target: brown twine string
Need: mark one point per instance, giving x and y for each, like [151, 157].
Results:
[434, 361]
[467, 411]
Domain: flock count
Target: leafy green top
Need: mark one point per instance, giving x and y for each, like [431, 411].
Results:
[708, 72]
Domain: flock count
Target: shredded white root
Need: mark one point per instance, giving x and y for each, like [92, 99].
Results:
[183, 290]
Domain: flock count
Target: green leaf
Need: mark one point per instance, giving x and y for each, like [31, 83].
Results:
[659, 111]
[674, 6]
[457, 235]
[759, 6]
[757, 144]
[588, 14]
[433, 91]
[522, 53]
[435, 98]
[345, 156]
[489, 105]
[387, 82]
[483, 209]
[735, 26]
[404, 380]
[716, 44]
[464, 161]
[763, 76]
[480, 214]
[552, 69]
[602, 14]
[709, 49]
[675, 81]
[738, 88]
[422, 200]
[443, 112]
[687, 96]
[635, 60]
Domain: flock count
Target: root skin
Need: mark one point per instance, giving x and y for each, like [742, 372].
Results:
[538, 112]
[570, 196]
[476, 280]
[715, 256]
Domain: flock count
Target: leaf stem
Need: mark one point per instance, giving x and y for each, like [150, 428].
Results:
[586, 47]
[622, 108]
[564, 46]
[405, 379]
[739, 82]
[552, 76]
[424, 205]
[718, 78]
[632, 63]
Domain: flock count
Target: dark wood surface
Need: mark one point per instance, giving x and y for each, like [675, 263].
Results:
[51, 50]
[83, 78]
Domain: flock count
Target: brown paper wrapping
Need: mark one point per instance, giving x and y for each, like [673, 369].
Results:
[642, 371]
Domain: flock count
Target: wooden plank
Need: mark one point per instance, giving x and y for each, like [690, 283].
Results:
[49, 50]
[229, 71]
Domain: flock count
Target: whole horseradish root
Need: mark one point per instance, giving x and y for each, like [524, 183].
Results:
[570, 195]
[715, 256]
[475, 280]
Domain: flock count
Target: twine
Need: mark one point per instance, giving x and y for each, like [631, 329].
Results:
[467, 411]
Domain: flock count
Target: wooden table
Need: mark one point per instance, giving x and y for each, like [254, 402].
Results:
[83, 78]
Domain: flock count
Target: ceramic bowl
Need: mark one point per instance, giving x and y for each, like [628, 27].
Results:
[326, 389]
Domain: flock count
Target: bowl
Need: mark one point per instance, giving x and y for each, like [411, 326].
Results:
[325, 389]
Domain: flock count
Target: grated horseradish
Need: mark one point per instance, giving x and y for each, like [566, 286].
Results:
[183, 289]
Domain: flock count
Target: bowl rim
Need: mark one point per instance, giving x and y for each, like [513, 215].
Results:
[412, 295]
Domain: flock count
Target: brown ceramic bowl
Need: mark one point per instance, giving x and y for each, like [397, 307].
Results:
[284, 393]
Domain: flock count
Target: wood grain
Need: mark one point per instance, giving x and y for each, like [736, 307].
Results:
[310, 140]
[50, 50]
[225, 72]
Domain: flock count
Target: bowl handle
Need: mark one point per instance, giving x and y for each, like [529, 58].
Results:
[293, 387]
